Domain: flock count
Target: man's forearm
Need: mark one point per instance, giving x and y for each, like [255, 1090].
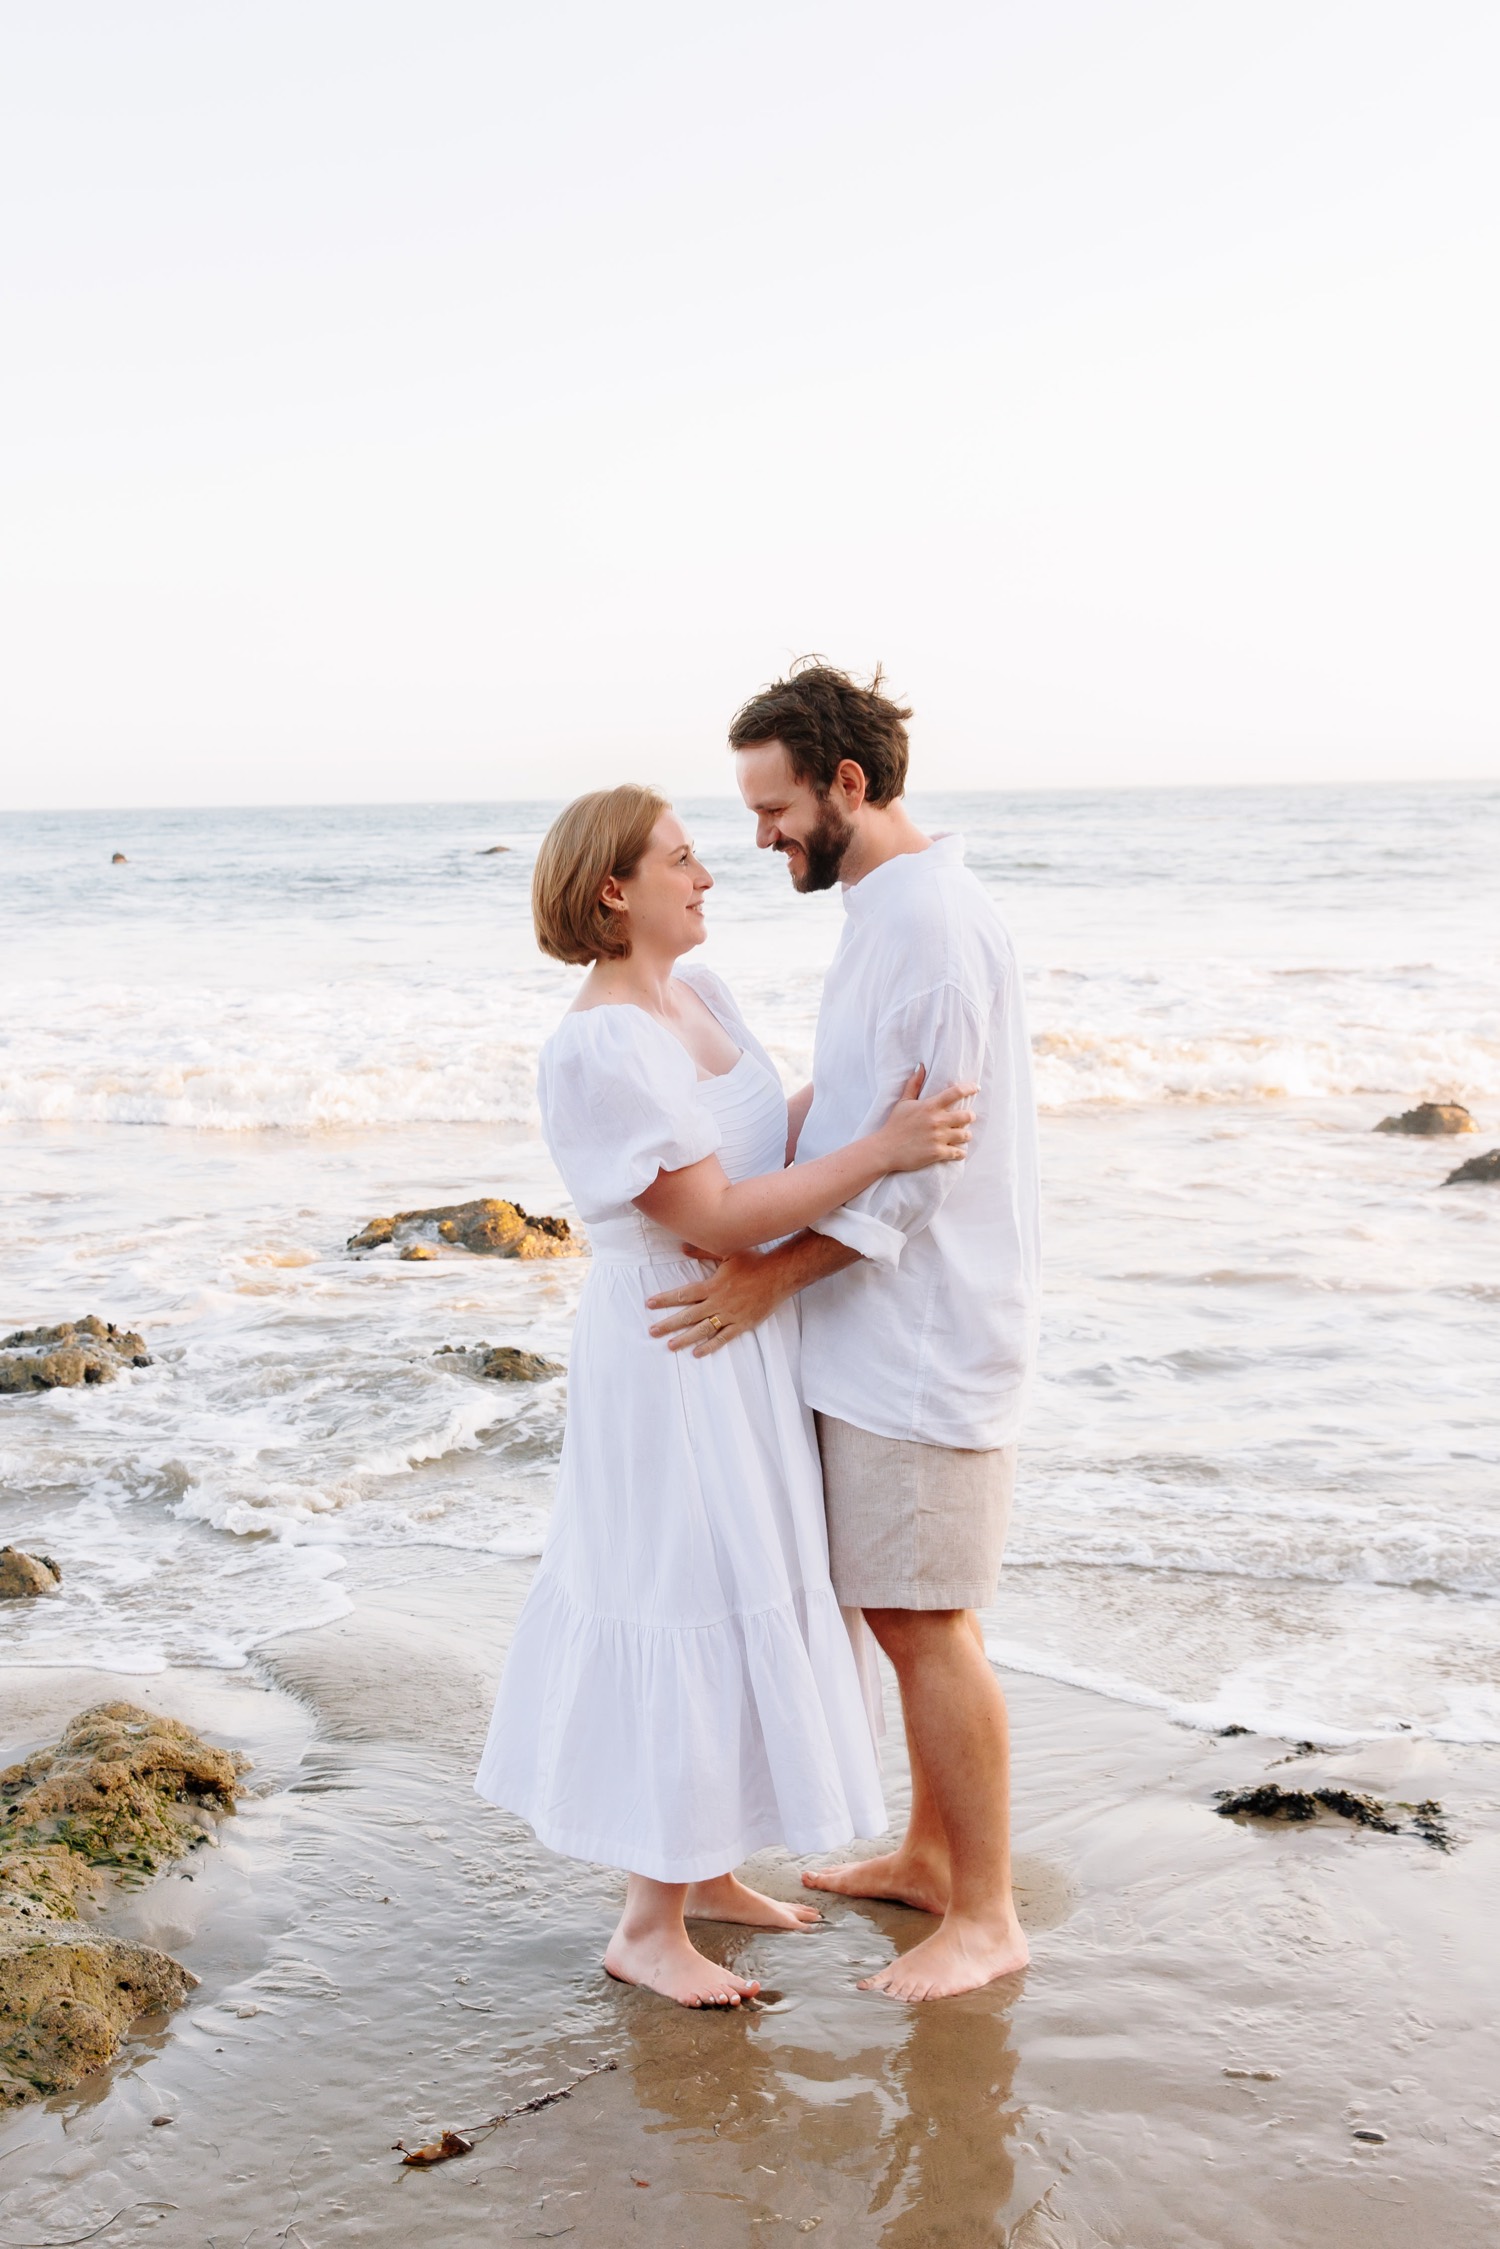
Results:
[805, 1258]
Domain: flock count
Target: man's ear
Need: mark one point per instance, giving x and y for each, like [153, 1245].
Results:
[850, 782]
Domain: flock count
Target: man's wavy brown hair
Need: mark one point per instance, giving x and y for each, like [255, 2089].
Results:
[824, 716]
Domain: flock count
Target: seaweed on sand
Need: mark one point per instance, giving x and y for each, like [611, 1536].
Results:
[1269, 1801]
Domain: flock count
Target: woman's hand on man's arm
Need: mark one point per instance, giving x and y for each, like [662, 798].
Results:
[743, 1290]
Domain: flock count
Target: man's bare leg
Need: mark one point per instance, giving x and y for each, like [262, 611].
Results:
[956, 1715]
[917, 1872]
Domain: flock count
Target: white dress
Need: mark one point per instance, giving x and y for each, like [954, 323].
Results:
[681, 1690]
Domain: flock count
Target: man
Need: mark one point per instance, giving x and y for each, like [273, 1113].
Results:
[919, 1320]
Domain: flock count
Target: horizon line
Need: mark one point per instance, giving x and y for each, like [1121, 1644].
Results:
[716, 796]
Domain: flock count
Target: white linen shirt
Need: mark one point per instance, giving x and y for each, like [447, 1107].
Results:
[932, 1336]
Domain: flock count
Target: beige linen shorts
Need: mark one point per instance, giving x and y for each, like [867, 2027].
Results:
[913, 1526]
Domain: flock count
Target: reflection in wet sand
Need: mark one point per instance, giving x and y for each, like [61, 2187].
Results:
[837, 2100]
[1217, 2020]
[949, 2174]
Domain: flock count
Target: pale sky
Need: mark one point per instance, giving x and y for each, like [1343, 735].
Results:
[469, 400]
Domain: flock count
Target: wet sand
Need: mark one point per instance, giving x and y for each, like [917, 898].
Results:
[1212, 2013]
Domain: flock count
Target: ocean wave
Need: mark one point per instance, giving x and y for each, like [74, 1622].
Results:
[489, 1085]
[201, 1068]
[1079, 1064]
[1468, 1713]
[319, 1057]
[324, 1105]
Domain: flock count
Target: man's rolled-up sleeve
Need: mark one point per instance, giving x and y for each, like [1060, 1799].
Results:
[943, 1030]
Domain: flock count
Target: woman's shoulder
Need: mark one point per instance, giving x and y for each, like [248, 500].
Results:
[619, 1102]
[615, 1039]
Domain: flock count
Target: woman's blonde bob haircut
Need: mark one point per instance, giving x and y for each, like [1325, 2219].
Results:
[602, 834]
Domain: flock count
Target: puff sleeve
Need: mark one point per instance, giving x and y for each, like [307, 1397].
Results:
[619, 1102]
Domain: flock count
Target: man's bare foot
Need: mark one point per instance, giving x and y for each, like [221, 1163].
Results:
[726, 1898]
[664, 1961]
[960, 1956]
[898, 1875]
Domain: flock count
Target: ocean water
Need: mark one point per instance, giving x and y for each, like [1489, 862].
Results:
[1261, 1479]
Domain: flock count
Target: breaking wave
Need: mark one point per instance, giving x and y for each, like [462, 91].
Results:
[341, 1057]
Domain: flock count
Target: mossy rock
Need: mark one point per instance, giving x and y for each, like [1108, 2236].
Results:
[122, 1789]
[67, 1999]
[121, 1793]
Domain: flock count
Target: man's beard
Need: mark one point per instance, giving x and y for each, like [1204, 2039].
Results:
[822, 851]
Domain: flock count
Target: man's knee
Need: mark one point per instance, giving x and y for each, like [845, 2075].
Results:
[906, 1634]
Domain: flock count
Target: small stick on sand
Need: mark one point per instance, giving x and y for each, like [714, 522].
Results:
[461, 2143]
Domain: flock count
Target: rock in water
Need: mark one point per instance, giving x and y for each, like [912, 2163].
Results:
[123, 1788]
[502, 1364]
[119, 859]
[121, 1792]
[67, 1999]
[489, 1227]
[1485, 1169]
[1431, 1120]
[24, 1575]
[491, 850]
[86, 1350]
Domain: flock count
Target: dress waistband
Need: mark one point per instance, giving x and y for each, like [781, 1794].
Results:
[626, 1241]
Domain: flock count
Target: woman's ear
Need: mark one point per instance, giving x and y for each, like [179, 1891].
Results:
[612, 897]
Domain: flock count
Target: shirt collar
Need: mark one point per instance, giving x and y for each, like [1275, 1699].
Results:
[868, 894]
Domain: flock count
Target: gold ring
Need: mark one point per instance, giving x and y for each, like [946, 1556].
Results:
[715, 1322]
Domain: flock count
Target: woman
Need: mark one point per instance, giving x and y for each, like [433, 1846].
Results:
[681, 1690]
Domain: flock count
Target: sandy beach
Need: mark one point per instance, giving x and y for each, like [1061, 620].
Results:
[1257, 1490]
[1215, 2009]
[425, 423]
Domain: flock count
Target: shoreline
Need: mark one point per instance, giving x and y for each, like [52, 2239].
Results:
[1213, 2011]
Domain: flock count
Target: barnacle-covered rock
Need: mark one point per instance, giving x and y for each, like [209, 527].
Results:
[122, 1792]
[488, 1226]
[59, 1358]
[502, 1363]
[1482, 1171]
[67, 1998]
[1430, 1120]
[23, 1576]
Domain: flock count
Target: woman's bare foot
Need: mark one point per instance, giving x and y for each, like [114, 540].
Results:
[960, 1956]
[726, 1898]
[899, 1875]
[651, 1947]
[664, 1961]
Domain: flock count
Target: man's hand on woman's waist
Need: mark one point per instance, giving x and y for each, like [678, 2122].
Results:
[743, 1290]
